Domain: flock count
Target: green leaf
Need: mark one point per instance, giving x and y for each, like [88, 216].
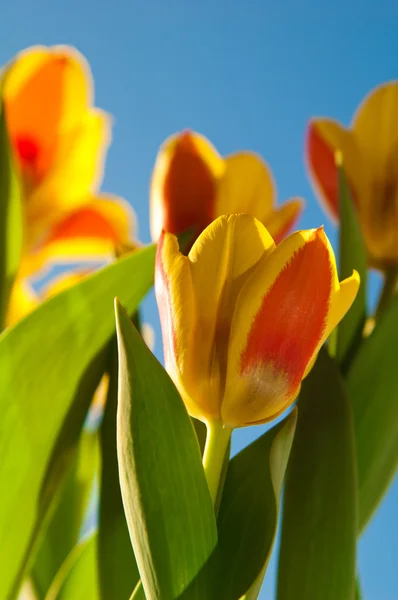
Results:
[249, 510]
[372, 383]
[50, 363]
[10, 219]
[77, 579]
[117, 567]
[319, 525]
[64, 527]
[165, 495]
[352, 256]
[138, 593]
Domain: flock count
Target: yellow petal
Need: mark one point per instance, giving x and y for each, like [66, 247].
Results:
[22, 301]
[184, 184]
[281, 220]
[46, 91]
[77, 172]
[221, 259]
[92, 232]
[174, 295]
[246, 187]
[375, 129]
[279, 320]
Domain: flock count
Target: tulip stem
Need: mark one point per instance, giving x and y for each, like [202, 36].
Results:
[217, 444]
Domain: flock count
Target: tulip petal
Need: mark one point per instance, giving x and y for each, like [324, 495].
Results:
[47, 90]
[184, 184]
[91, 232]
[221, 258]
[279, 320]
[375, 129]
[247, 187]
[324, 138]
[174, 295]
[22, 301]
[280, 222]
[77, 172]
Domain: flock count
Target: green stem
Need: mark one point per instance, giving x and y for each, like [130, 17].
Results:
[217, 441]
[390, 282]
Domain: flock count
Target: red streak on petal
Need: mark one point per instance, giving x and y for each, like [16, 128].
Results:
[292, 316]
[85, 223]
[322, 161]
[165, 306]
[27, 149]
[189, 189]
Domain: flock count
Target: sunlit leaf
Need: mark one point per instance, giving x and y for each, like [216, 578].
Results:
[77, 579]
[50, 364]
[10, 219]
[165, 495]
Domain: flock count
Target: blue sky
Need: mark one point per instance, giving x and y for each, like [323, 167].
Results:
[246, 74]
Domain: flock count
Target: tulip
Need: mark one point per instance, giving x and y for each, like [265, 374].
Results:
[59, 141]
[243, 319]
[369, 151]
[192, 185]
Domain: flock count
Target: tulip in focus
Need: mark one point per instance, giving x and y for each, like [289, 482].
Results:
[369, 149]
[192, 185]
[59, 141]
[243, 319]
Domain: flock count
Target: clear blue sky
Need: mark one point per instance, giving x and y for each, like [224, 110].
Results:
[247, 75]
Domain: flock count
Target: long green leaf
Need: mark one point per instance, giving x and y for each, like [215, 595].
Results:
[10, 219]
[49, 364]
[117, 567]
[249, 509]
[372, 383]
[319, 525]
[165, 495]
[352, 256]
[65, 525]
[77, 579]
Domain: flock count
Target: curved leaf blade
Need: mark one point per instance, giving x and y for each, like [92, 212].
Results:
[372, 383]
[352, 256]
[319, 525]
[10, 219]
[77, 579]
[37, 394]
[62, 532]
[165, 495]
[118, 571]
[248, 516]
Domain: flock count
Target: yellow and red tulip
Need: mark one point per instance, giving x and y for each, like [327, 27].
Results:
[243, 319]
[192, 185]
[60, 142]
[369, 150]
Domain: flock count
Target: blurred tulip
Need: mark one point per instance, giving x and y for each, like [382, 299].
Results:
[369, 149]
[60, 141]
[243, 320]
[192, 185]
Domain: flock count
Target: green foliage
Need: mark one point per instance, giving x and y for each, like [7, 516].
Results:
[352, 256]
[165, 495]
[118, 571]
[249, 511]
[50, 365]
[65, 524]
[77, 579]
[10, 219]
[372, 384]
[319, 523]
